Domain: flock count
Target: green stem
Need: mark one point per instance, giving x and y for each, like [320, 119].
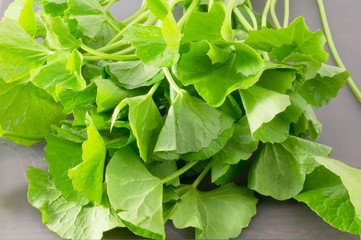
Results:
[126, 50]
[202, 175]
[179, 172]
[334, 51]
[112, 46]
[249, 3]
[252, 16]
[91, 58]
[171, 81]
[108, 56]
[140, 18]
[109, 5]
[242, 19]
[154, 88]
[274, 15]
[265, 13]
[286, 16]
[186, 15]
[140, 11]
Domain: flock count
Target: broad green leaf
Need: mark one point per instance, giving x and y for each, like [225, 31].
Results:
[19, 53]
[66, 218]
[171, 34]
[263, 105]
[27, 112]
[78, 99]
[205, 26]
[151, 47]
[22, 11]
[62, 155]
[239, 147]
[88, 19]
[145, 122]
[87, 176]
[295, 43]
[164, 169]
[218, 214]
[131, 74]
[58, 36]
[240, 70]
[60, 73]
[109, 95]
[55, 7]
[280, 168]
[328, 81]
[159, 8]
[330, 194]
[191, 125]
[135, 194]
[278, 80]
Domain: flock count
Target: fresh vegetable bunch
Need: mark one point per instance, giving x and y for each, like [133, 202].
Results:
[137, 113]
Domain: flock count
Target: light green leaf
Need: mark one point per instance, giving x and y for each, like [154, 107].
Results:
[325, 86]
[22, 11]
[280, 168]
[145, 122]
[263, 105]
[135, 194]
[58, 36]
[296, 43]
[239, 147]
[205, 26]
[218, 214]
[62, 155]
[1, 131]
[171, 34]
[55, 7]
[131, 74]
[109, 95]
[66, 218]
[60, 73]
[151, 47]
[19, 53]
[240, 70]
[334, 195]
[191, 125]
[27, 112]
[87, 177]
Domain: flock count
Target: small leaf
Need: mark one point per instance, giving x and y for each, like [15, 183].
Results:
[87, 176]
[135, 194]
[218, 214]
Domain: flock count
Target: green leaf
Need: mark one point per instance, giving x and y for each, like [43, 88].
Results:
[145, 122]
[87, 177]
[109, 95]
[1, 131]
[62, 155]
[27, 112]
[335, 198]
[55, 7]
[218, 214]
[240, 70]
[58, 36]
[239, 147]
[205, 26]
[19, 53]
[66, 218]
[296, 43]
[151, 47]
[263, 105]
[191, 125]
[308, 124]
[60, 73]
[131, 74]
[88, 19]
[328, 81]
[22, 11]
[135, 194]
[280, 168]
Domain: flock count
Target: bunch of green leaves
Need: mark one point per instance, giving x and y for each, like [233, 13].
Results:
[137, 113]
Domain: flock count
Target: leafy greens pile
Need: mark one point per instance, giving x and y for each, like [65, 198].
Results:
[137, 113]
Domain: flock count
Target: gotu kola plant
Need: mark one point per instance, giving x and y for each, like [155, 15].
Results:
[136, 113]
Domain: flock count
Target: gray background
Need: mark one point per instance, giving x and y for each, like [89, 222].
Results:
[275, 220]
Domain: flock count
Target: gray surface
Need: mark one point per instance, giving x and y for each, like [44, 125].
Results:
[275, 220]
